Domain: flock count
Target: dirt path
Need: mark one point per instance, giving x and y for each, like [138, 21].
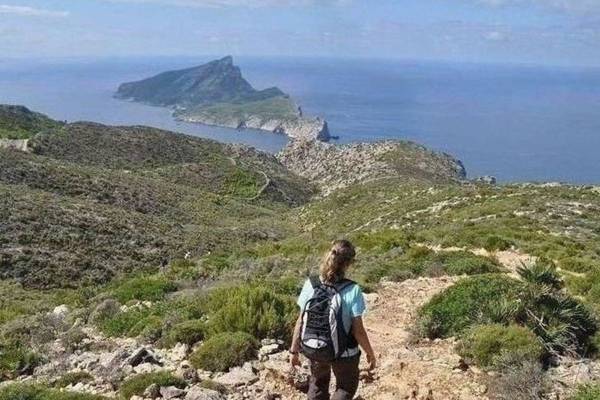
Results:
[409, 370]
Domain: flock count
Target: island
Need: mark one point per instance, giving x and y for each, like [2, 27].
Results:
[217, 94]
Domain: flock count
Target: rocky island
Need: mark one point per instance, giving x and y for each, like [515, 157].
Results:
[216, 93]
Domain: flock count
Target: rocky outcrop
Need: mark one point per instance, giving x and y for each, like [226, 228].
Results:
[301, 128]
[333, 167]
[15, 144]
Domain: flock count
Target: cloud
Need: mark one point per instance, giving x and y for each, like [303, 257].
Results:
[26, 11]
[235, 3]
[579, 6]
[495, 36]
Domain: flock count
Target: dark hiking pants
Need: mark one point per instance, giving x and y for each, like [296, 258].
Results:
[346, 378]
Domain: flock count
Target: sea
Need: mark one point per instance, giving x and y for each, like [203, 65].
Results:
[515, 122]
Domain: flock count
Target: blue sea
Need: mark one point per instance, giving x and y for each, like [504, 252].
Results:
[518, 123]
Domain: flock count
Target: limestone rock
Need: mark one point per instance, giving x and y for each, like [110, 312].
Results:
[143, 356]
[333, 167]
[152, 391]
[61, 311]
[171, 392]
[200, 393]
[238, 376]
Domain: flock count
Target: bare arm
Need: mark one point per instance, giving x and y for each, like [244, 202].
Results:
[361, 336]
[295, 348]
[296, 335]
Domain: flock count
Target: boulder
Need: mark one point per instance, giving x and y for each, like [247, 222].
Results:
[171, 392]
[200, 393]
[186, 372]
[238, 376]
[152, 391]
[143, 356]
[61, 311]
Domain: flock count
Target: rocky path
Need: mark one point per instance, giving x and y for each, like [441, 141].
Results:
[409, 369]
[424, 370]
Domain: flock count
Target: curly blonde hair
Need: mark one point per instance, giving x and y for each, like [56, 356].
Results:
[337, 260]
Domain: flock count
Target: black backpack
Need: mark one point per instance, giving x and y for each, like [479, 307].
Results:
[323, 337]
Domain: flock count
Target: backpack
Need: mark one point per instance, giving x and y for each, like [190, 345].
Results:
[323, 337]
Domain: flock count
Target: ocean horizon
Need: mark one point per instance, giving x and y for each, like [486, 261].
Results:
[515, 122]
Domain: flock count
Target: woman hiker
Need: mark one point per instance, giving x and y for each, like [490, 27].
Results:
[330, 327]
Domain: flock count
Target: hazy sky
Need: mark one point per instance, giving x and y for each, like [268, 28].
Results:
[528, 31]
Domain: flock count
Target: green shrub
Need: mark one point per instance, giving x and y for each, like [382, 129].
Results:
[73, 378]
[136, 385]
[104, 310]
[183, 269]
[125, 322]
[36, 392]
[381, 241]
[144, 288]
[188, 332]
[254, 310]
[212, 385]
[562, 323]
[494, 243]
[471, 301]
[488, 345]
[224, 351]
[587, 392]
[16, 358]
[149, 329]
[467, 263]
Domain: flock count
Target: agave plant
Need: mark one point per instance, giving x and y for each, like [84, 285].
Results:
[541, 273]
[560, 321]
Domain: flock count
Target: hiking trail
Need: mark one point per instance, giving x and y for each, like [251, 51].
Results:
[411, 368]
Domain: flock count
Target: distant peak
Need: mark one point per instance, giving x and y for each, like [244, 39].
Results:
[226, 60]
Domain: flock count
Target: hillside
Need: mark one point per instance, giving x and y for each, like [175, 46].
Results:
[132, 256]
[18, 122]
[217, 94]
[94, 201]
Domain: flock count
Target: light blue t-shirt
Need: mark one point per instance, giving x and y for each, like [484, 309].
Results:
[353, 302]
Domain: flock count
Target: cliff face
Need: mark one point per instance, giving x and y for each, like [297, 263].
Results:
[299, 128]
[334, 167]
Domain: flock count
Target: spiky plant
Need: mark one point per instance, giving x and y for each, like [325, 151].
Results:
[541, 273]
[562, 323]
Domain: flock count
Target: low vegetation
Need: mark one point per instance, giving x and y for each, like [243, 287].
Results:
[18, 122]
[489, 346]
[147, 234]
[224, 351]
[560, 323]
[38, 392]
[587, 392]
[136, 385]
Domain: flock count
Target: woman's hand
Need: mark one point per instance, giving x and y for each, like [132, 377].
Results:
[372, 361]
[295, 360]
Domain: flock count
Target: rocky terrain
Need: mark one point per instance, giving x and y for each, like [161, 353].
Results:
[334, 167]
[216, 94]
[143, 264]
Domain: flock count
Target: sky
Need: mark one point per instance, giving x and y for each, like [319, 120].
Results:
[552, 32]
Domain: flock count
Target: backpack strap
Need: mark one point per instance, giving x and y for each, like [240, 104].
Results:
[314, 281]
[343, 284]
